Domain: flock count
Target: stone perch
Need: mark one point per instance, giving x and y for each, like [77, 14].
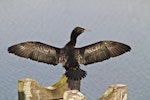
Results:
[73, 95]
[115, 92]
[29, 89]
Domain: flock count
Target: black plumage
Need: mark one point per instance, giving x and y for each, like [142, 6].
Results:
[69, 56]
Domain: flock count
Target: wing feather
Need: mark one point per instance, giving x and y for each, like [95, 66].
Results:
[36, 51]
[100, 51]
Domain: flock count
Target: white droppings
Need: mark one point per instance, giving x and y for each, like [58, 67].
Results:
[73, 95]
[27, 90]
[38, 94]
[125, 97]
[51, 87]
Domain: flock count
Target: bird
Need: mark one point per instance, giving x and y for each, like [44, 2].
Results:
[70, 56]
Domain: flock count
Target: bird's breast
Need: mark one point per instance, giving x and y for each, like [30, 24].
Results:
[66, 54]
[67, 58]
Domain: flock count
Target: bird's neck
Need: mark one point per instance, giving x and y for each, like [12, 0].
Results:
[72, 43]
[73, 39]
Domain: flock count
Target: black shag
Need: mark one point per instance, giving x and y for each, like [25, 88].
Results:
[70, 56]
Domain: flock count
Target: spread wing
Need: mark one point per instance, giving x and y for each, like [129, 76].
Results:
[100, 51]
[36, 51]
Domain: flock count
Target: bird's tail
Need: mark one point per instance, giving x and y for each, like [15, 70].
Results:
[75, 74]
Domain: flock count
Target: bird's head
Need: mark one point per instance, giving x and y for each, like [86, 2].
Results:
[77, 31]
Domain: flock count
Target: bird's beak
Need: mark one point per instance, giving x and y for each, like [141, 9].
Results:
[86, 30]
